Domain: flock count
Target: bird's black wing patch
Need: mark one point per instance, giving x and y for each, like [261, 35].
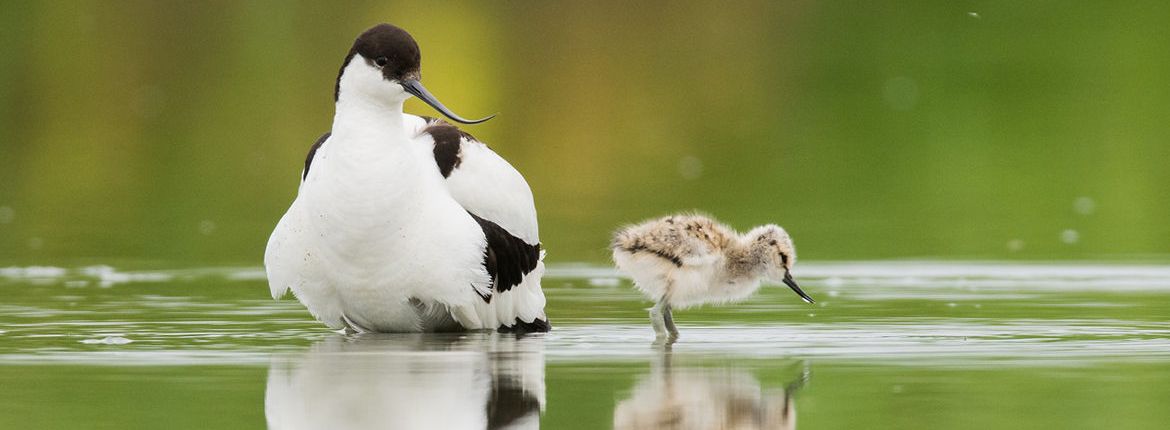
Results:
[447, 146]
[312, 153]
[507, 258]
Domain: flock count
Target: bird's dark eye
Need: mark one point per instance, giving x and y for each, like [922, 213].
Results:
[381, 61]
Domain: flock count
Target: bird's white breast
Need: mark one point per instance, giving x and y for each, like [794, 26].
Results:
[372, 228]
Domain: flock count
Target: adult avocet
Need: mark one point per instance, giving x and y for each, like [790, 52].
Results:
[405, 223]
[688, 260]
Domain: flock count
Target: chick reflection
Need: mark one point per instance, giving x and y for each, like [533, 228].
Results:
[411, 381]
[704, 398]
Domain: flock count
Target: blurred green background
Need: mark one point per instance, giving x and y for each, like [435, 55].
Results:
[910, 129]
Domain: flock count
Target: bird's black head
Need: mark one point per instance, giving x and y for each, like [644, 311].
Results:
[388, 48]
[389, 52]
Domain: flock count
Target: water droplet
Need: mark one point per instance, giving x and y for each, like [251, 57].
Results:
[1015, 245]
[974, 15]
[1084, 205]
[690, 167]
[951, 305]
[900, 93]
[206, 227]
[1070, 236]
[833, 293]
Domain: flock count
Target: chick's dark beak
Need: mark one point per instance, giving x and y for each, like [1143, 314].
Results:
[791, 283]
[416, 88]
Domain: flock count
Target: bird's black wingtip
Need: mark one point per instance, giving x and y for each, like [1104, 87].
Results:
[537, 325]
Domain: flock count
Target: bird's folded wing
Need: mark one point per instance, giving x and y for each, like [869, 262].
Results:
[479, 179]
[499, 199]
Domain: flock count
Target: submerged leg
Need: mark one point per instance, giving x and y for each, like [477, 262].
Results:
[668, 319]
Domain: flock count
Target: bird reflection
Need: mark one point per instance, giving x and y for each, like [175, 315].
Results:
[705, 398]
[410, 381]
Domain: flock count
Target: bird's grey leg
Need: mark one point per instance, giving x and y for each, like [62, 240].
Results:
[668, 319]
[658, 319]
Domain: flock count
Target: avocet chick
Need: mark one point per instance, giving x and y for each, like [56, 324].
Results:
[687, 260]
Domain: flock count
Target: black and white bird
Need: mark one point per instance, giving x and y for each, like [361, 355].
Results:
[409, 381]
[680, 261]
[405, 223]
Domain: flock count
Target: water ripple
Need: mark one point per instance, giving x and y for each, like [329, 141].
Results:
[905, 313]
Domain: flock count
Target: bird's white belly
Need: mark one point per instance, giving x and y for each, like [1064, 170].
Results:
[376, 246]
[682, 286]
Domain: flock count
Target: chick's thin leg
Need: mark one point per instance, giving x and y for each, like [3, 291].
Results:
[668, 320]
[658, 318]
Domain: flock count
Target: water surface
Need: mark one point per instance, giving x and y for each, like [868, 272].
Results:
[888, 345]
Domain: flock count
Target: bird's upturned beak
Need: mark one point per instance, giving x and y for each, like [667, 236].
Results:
[791, 283]
[416, 88]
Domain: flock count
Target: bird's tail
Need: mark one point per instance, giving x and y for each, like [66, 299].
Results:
[520, 309]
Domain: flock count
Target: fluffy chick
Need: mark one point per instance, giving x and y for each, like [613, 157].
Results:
[687, 260]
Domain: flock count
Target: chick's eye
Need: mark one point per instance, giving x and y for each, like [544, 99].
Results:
[381, 61]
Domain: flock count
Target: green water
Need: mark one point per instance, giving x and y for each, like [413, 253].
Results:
[992, 129]
[888, 345]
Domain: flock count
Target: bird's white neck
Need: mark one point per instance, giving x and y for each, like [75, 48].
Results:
[367, 103]
[359, 117]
